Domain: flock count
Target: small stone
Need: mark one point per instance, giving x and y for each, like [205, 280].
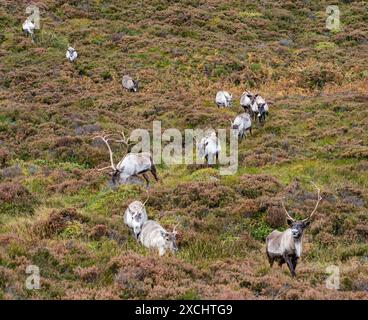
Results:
[286, 42]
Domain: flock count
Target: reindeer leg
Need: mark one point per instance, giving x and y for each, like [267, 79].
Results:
[154, 172]
[290, 265]
[146, 178]
[270, 260]
[281, 262]
[295, 262]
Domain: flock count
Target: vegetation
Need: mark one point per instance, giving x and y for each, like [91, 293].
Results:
[57, 213]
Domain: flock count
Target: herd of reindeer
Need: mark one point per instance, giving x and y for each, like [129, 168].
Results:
[283, 247]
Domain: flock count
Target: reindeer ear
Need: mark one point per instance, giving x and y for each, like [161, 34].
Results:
[306, 223]
[289, 222]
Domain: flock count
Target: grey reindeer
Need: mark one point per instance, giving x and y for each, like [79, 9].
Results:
[286, 247]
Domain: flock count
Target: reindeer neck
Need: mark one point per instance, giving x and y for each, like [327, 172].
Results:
[298, 246]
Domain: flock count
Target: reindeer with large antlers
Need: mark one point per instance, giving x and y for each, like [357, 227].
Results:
[287, 246]
[132, 165]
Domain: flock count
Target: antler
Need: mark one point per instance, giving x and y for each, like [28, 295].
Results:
[319, 198]
[125, 141]
[106, 140]
[287, 213]
[102, 169]
[174, 230]
[148, 196]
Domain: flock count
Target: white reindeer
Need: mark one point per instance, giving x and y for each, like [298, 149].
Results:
[246, 101]
[224, 99]
[241, 125]
[29, 28]
[135, 216]
[287, 246]
[71, 54]
[259, 108]
[130, 84]
[156, 237]
[209, 148]
[132, 165]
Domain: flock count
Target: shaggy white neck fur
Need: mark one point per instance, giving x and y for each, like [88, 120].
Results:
[298, 247]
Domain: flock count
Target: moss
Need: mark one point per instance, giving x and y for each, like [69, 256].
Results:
[73, 230]
[325, 45]
[189, 295]
[109, 201]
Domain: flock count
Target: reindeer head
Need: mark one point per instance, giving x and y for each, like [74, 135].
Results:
[115, 172]
[254, 97]
[297, 227]
[235, 128]
[262, 113]
[137, 218]
[136, 85]
[170, 239]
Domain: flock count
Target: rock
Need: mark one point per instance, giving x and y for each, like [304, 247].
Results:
[286, 42]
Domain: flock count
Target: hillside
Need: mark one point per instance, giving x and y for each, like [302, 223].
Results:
[58, 213]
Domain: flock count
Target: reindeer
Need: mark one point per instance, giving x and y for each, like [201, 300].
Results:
[71, 54]
[135, 216]
[224, 99]
[287, 246]
[209, 147]
[241, 125]
[29, 28]
[132, 165]
[129, 83]
[155, 236]
[259, 108]
[246, 101]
